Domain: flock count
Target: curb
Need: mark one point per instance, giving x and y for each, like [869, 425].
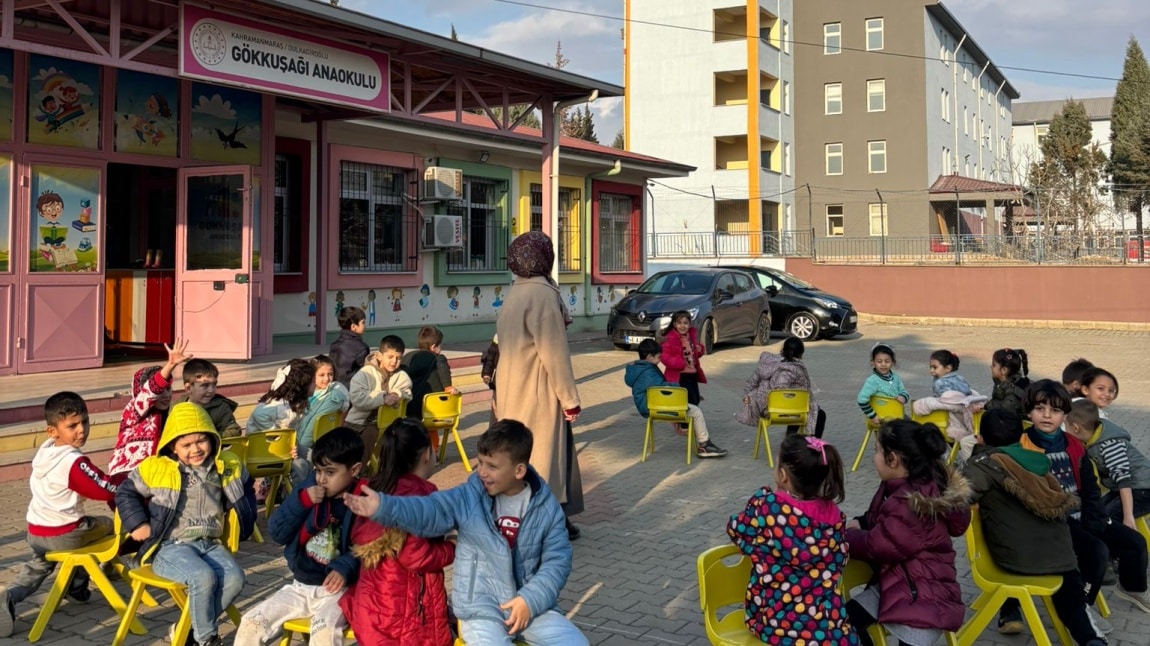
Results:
[1114, 326]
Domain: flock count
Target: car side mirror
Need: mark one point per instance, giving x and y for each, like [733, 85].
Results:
[772, 290]
[723, 295]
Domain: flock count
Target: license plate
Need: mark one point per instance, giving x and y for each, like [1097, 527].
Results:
[633, 340]
[854, 318]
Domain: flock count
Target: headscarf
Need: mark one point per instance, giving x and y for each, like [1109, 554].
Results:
[531, 254]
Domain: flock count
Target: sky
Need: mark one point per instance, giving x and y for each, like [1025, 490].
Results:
[1049, 35]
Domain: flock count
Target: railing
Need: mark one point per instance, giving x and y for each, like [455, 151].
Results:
[720, 244]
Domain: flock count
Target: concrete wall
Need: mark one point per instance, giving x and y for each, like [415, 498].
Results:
[1038, 293]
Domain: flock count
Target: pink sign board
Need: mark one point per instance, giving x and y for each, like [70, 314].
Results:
[236, 51]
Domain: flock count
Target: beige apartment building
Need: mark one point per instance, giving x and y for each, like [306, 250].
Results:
[896, 109]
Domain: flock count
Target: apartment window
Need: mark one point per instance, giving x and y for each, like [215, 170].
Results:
[835, 223]
[1040, 133]
[966, 171]
[878, 220]
[876, 95]
[569, 199]
[944, 54]
[485, 237]
[965, 121]
[374, 220]
[945, 161]
[786, 37]
[619, 233]
[874, 34]
[833, 98]
[876, 157]
[786, 97]
[981, 93]
[944, 105]
[965, 74]
[787, 159]
[832, 38]
[834, 159]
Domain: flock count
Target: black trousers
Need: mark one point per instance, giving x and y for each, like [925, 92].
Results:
[1070, 604]
[690, 381]
[820, 425]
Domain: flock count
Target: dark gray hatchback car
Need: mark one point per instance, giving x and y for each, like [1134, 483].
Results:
[725, 304]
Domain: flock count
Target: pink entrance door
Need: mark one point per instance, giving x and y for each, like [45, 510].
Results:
[213, 261]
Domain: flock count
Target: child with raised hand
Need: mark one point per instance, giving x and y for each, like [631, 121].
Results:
[315, 528]
[1123, 469]
[400, 593]
[142, 421]
[681, 354]
[285, 403]
[794, 538]
[906, 536]
[1009, 368]
[882, 381]
[62, 477]
[176, 503]
[329, 396]
[513, 555]
[1100, 387]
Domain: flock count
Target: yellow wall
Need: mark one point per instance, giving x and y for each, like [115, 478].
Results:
[574, 214]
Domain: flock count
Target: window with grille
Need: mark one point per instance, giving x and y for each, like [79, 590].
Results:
[618, 233]
[286, 258]
[568, 236]
[485, 236]
[376, 222]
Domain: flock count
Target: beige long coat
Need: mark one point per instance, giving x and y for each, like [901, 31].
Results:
[535, 382]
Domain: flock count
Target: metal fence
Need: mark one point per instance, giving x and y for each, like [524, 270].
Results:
[720, 244]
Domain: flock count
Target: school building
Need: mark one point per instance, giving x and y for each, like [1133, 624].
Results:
[236, 174]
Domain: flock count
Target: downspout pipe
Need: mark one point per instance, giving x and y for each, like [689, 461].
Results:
[556, 130]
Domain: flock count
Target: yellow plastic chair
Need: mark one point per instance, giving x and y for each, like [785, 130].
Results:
[784, 408]
[384, 416]
[941, 419]
[667, 404]
[143, 577]
[998, 585]
[88, 558]
[459, 640]
[326, 423]
[885, 408]
[269, 456]
[237, 446]
[723, 588]
[1143, 529]
[857, 574]
[441, 412]
[302, 627]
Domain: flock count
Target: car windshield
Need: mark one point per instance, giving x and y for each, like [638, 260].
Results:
[677, 282]
[795, 280]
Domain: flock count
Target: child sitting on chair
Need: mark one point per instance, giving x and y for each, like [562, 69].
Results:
[643, 374]
[176, 502]
[380, 382]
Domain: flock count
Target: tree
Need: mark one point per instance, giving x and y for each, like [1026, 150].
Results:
[1129, 133]
[620, 141]
[1068, 175]
[581, 124]
[530, 121]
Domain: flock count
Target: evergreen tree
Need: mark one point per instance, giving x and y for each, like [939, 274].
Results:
[1129, 134]
[581, 124]
[454, 36]
[620, 141]
[1071, 168]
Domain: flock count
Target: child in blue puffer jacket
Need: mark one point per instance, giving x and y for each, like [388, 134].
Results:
[513, 555]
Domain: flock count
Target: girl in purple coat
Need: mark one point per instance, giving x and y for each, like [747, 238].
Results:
[906, 536]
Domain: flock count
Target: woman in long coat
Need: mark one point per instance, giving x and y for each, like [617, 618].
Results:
[535, 381]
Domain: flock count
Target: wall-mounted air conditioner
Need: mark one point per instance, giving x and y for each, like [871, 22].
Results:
[440, 183]
[442, 231]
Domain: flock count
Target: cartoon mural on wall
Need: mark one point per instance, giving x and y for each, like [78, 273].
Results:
[452, 301]
[5, 213]
[498, 301]
[65, 231]
[147, 113]
[64, 102]
[226, 125]
[574, 297]
[338, 303]
[370, 307]
[476, 294]
[6, 96]
[311, 307]
[396, 302]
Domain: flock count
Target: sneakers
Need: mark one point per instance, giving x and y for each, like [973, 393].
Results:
[172, 637]
[7, 614]
[573, 532]
[214, 640]
[709, 449]
[1102, 626]
[1010, 623]
[1140, 599]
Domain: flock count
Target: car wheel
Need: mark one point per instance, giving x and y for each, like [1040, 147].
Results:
[804, 326]
[707, 336]
[762, 330]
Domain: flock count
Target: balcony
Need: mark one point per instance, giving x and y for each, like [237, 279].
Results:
[731, 153]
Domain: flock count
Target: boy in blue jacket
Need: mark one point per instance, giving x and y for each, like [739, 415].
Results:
[513, 555]
[314, 526]
[643, 374]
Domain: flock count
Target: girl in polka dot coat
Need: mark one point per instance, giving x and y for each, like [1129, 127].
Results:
[794, 538]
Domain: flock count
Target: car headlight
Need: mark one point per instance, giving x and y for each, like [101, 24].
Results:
[662, 322]
[829, 304]
[694, 312]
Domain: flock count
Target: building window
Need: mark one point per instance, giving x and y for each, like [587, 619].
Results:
[874, 34]
[876, 156]
[786, 37]
[944, 55]
[876, 95]
[834, 156]
[569, 199]
[833, 98]
[287, 214]
[965, 121]
[965, 74]
[786, 97]
[945, 161]
[944, 105]
[787, 159]
[878, 220]
[618, 233]
[832, 38]
[485, 236]
[375, 220]
[835, 220]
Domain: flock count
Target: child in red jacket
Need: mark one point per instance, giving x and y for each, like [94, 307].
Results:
[681, 353]
[906, 536]
[142, 421]
[400, 597]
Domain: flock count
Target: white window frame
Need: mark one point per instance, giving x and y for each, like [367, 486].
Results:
[841, 229]
[830, 90]
[874, 26]
[832, 31]
[965, 121]
[786, 97]
[876, 151]
[786, 37]
[876, 89]
[833, 151]
[787, 159]
[878, 212]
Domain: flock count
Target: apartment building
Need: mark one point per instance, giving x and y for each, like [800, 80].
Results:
[896, 106]
[709, 83]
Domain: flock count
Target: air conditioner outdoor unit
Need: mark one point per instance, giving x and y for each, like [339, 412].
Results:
[443, 231]
[441, 183]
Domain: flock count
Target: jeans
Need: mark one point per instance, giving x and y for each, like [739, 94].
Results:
[33, 572]
[1114, 504]
[211, 574]
[548, 629]
[263, 623]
